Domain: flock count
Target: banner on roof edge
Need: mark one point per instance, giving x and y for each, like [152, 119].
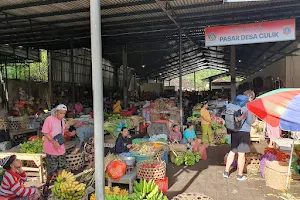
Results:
[261, 32]
[229, 1]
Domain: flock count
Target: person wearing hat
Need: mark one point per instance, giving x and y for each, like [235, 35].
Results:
[54, 148]
[13, 179]
[206, 125]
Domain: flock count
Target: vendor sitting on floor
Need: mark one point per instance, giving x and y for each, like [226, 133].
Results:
[84, 133]
[122, 142]
[189, 134]
[175, 135]
[13, 179]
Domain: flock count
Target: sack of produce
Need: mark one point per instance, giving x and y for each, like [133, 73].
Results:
[178, 147]
[116, 169]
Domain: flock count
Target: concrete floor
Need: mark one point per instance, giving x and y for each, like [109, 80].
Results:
[206, 178]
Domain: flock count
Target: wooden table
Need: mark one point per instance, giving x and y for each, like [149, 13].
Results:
[126, 179]
[37, 158]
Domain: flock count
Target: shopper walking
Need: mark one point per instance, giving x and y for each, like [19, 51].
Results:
[240, 140]
[206, 125]
[53, 130]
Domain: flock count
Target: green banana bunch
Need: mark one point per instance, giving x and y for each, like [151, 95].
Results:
[144, 190]
[115, 197]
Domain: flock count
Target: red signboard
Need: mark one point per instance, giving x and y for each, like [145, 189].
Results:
[261, 32]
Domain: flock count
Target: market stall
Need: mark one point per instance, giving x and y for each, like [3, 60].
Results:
[280, 108]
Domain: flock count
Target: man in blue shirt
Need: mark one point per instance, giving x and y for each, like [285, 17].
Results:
[240, 141]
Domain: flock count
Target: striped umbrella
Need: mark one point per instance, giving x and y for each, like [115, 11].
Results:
[279, 108]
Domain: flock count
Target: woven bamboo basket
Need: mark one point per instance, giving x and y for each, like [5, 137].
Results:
[276, 175]
[192, 196]
[219, 137]
[24, 123]
[151, 173]
[75, 162]
[3, 123]
[178, 147]
[252, 162]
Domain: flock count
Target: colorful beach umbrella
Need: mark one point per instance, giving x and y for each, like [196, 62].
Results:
[279, 108]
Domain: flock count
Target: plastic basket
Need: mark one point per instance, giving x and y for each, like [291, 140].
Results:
[139, 140]
[140, 158]
[128, 113]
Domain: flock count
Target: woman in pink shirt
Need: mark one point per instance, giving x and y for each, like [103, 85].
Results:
[54, 147]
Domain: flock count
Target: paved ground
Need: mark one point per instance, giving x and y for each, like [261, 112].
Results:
[206, 178]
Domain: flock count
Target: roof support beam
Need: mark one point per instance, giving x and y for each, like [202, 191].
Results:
[176, 69]
[31, 4]
[187, 68]
[172, 16]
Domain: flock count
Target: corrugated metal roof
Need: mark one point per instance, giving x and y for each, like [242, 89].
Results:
[144, 27]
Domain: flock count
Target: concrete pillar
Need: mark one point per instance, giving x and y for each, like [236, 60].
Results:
[233, 72]
[180, 80]
[195, 81]
[125, 76]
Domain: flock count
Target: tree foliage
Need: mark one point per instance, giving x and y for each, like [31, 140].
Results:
[38, 70]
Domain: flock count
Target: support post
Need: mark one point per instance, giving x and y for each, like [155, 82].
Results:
[195, 81]
[180, 79]
[169, 82]
[50, 79]
[233, 72]
[96, 47]
[73, 75]
[116, 75]
[125, 76]
[210, 84]
[6, 84]
[29, 81]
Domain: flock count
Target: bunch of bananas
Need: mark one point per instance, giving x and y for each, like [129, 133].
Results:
[116, 190]
[146, 190]
[93, 196]
[65, 187]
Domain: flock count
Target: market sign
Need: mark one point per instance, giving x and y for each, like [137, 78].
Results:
[262, 32]
[229, 1]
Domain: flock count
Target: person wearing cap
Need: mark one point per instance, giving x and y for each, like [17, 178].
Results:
[83, 133]
[54, 148]
[206, 125]
[13, 179]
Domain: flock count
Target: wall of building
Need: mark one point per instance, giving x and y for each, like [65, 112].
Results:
[293, 71]
[273, 72]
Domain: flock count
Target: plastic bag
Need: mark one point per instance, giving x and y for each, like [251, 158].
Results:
[201, 148]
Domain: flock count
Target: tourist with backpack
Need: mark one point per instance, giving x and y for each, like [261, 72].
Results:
[239, 120]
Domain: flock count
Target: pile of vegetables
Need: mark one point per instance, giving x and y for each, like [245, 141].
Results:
[146, 190]
[280, 156]
[111, 128]
[177, 159]
[189, 158]
[192, 119]
[215, 125]
[111, 117]
[35, 146]
[198, 106]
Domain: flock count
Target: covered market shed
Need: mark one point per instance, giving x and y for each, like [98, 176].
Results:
[158, 39]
